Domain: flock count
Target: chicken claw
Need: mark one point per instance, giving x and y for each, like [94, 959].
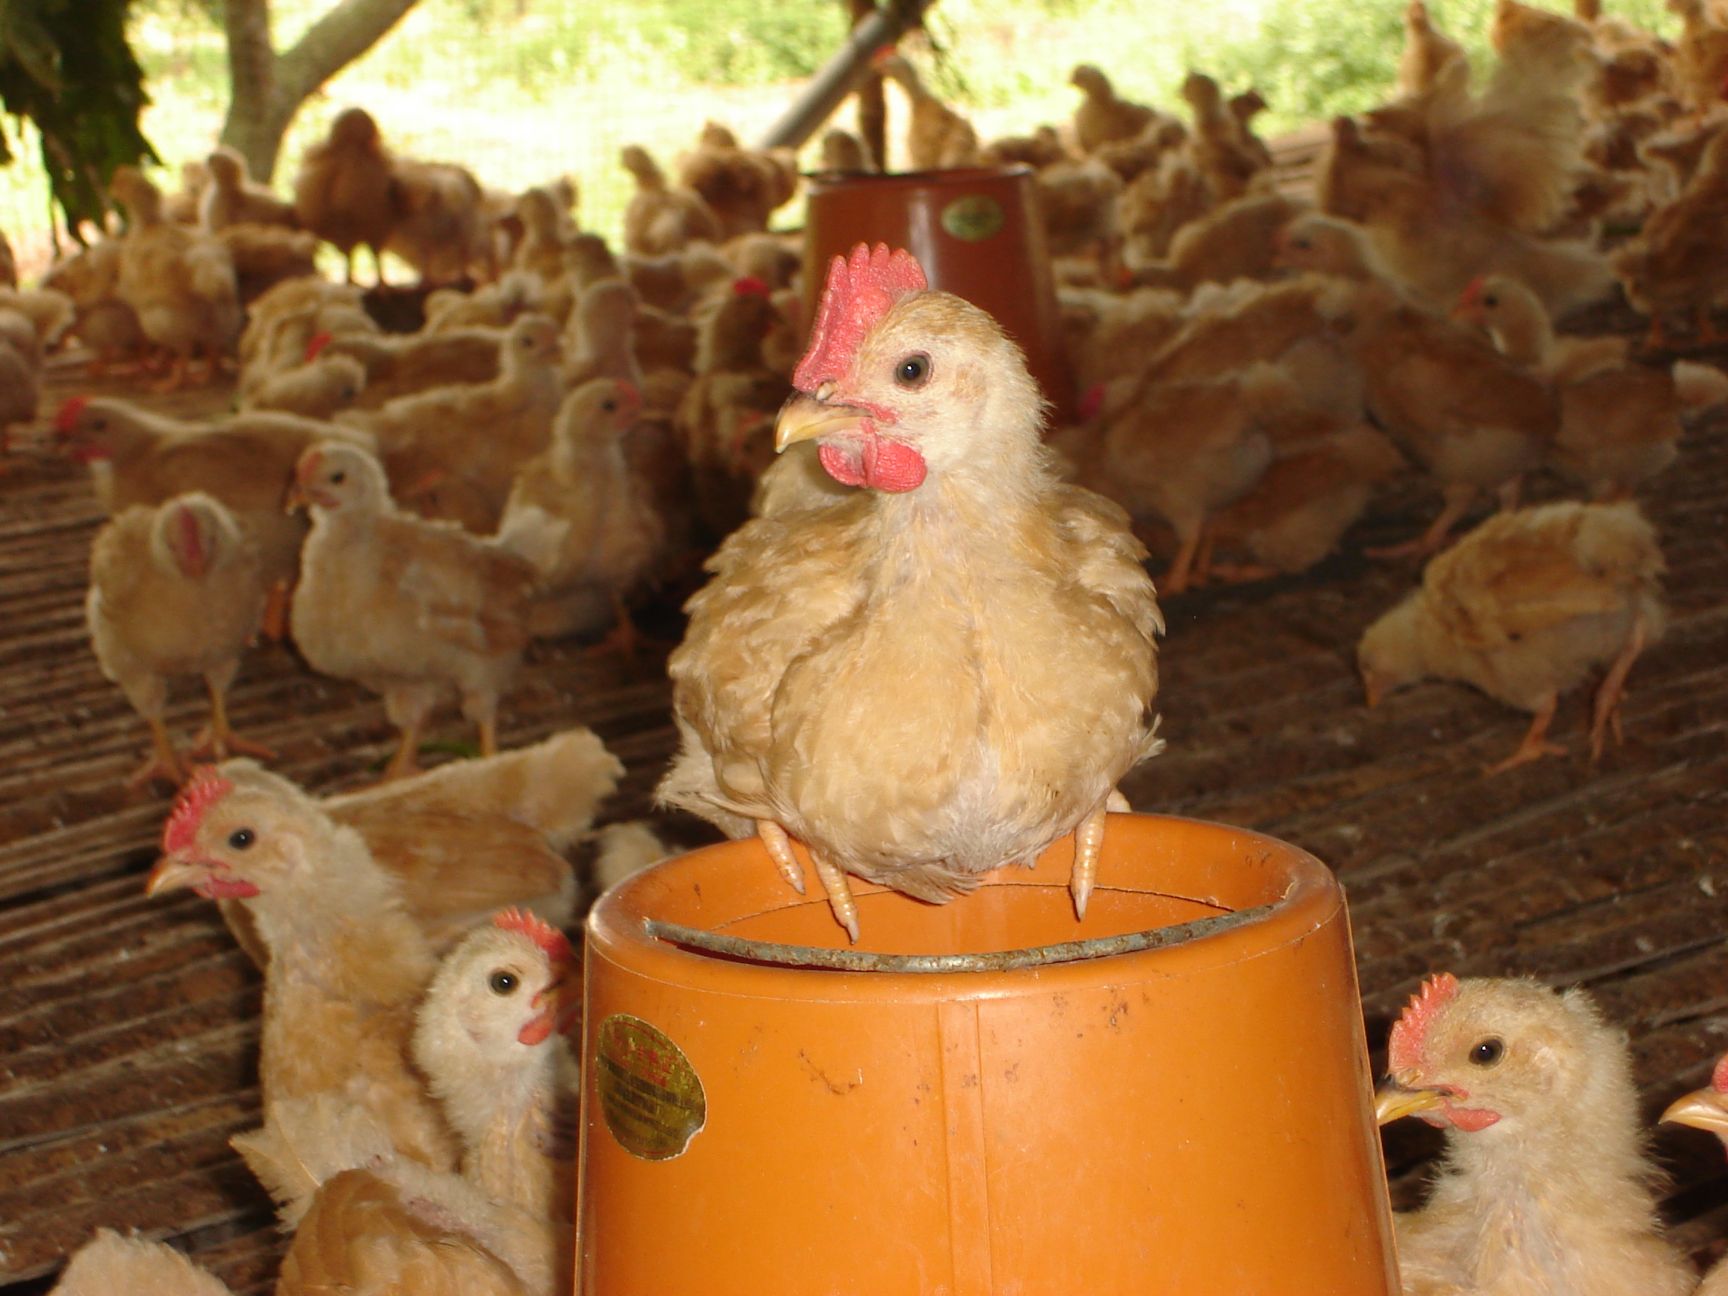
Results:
[1535, 744]
[1613, 690]
[779, 847]
[839, 895]
[164, 762]
[1088, 842]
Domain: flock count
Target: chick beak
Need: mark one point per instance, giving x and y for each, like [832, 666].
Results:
[296, 499]
[1705, 1109]
[173, 872]
[1394, 1101]
[804, 418]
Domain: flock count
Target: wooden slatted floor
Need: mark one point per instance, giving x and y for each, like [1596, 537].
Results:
[128, 1027]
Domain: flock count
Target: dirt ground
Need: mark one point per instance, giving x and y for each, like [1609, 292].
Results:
[128, 1027]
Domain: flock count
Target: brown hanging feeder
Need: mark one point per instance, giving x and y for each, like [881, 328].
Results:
[986, 1096]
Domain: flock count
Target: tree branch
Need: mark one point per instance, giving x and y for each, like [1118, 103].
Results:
[333, 42]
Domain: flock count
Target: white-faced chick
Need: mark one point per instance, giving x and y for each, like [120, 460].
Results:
[1546, 1188]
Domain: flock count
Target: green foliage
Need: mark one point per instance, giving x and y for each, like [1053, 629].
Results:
[1311, 65]
[67, 67]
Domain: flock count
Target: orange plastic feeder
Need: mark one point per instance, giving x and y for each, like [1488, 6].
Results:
[977, 233]
[1171, 1097]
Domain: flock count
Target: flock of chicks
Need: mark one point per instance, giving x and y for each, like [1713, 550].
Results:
[927, 644]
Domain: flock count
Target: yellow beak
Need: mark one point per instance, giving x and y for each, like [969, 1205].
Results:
[1705, 1109]
[171, 873]
[803, 418]
[1393, 1101]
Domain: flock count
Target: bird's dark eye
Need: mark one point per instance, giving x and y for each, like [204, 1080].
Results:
[242, 838]
[1302, 244]
[1488, 1052]
[1491, 301]
[609, 406]
[98, 425]
[336, 479]
[503, 983]
[913, 371]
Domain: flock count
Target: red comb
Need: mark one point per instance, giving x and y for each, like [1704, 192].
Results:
[628, 391]
[554, 942]
[315, 345]
[751, 286]
[861, 289]
[1090, 403]
[66, 418]
[1409, 1035]
[193, 557]
[1719, 1077]
[204, 789]
[1472, 292]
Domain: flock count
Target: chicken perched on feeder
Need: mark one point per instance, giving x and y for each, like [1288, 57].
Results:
[1524, 607]
[948, 670]
[1546, 1188]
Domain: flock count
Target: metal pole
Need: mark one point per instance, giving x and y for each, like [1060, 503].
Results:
[842, 72]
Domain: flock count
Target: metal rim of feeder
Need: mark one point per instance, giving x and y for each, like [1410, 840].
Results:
[777, 954]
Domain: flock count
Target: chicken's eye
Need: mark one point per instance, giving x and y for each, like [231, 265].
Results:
[98, 425]
[1491, 301]
[503, 983]
[242, 838]
[913, 371]
[609, 406]
[1301, 244]
[336, 479]
[1488, 1052]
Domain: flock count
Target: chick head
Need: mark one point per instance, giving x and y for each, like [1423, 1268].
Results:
[237, 832]
[900, 382]
[1706, 1108]
[1391, 652]
[509, 986]
[333, 475]
[602, 409]
[85, 429]
[192, 534]
[532, 340]
[354, 127]
[227, 168]
[537, 211]
[1322, 244]
[1497, 1053]
[1496, 302]
[1091, 80]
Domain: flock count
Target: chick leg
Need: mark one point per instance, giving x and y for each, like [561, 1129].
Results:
[779, 848]
[1434, 538]
[407, 709]
[1088, 842]
[1535, 744]
[277, 605]
[839, 895]
[1613, 690]
[1179, 577]
[176, 378]
[220, 741]
[163, 763]
[622, 638]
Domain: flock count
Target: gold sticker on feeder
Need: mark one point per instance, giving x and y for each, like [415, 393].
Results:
[649, 1093]
[974, 218]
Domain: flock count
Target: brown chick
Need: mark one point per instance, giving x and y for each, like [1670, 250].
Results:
[937, 137]
[100, 320]
[293, 318]
[1700, 57]
[347, 965]
[843, 153]
[246, 461]
[401, 365]
[1077, 203]
[1236, 240]
[1546, 1188]
[406, 607]
[1428, 56]
[265, 255]
[439, 227]
[1619, 420]
[1158, 204]
[174, 590]
[541, 251]
[178, 280]
[452, 452]
[944, 673]
[599, 337]
[577, 512]
[233, 198]
[318, 389]
[662, 217]
[1231, 158]
[1523, 608]
[1103, 115]
[1707, 1109]
[110, 1262]
[492, 1039]
[1673, 263]
[343, 191]
[741, 186]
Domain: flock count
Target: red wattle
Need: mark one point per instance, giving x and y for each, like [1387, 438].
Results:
[536, 1030]
[215, 888]
[877, 463]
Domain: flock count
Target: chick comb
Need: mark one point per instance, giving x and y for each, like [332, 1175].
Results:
[204, 789]
[1719, 1077]
[1404, 1052]
[553, 942]
[751, 286]
[316, 343]
[66, 417]
[860, 290]
[1472, 291]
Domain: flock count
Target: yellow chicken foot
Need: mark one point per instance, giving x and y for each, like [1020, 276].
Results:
[1088, 842]
[1613, 691]
[406, 761]
[277, 603]
[219, 741]
[839, 895]
[1180, 575]
[176, 378]
[1434, 538]
[1535, 744]
[489, 737]
[163, 763]
[779, 848]
[622, 638]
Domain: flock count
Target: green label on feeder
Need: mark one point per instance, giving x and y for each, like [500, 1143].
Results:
[649, 1093]
[973, 218]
